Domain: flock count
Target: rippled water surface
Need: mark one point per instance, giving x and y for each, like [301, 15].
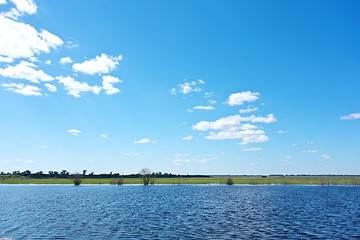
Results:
[179, 212]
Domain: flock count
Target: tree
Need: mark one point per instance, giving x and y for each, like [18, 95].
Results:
[145, 176]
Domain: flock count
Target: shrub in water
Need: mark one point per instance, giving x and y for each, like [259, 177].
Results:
[229, 181]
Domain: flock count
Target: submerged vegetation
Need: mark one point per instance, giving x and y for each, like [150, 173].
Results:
[185, 179]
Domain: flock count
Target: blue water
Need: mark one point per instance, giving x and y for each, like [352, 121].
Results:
[179, 212]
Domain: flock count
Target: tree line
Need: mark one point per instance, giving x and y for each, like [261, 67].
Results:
[66, 174]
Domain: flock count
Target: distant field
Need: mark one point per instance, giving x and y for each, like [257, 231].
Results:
[307, 180]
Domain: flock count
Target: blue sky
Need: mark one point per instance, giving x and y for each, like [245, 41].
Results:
[198, 87]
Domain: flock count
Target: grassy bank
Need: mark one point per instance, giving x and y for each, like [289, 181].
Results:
[307, 180]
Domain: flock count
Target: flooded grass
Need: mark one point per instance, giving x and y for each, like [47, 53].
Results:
[307, 180]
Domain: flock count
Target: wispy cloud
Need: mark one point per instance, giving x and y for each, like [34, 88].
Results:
[248, 110]
[204, 107]
[145, 140]
[187, 138]
[74, 132]
[310, 151]
[132, 154]
[324, 156]
[251, 149]
[26, 90]
[351, 116]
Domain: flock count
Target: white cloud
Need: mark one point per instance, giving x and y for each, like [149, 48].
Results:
[108, 82]
[50, 87]
[6, 59]
[282, 131]
[65, 60]
[145, 140]
[248, 110]
[74, 131]
[351, 116]
[187, 138]
[74, 88]
[310, 151]
[232, 127]
[103, 135]
[20, 40]
[188, 87]
[231, 122]
[294, 144]
[212, 101]
[43, 146]
[29, 161]
[181, 160]
[288, 157]
[27, 90]
[324, 156]
[251, 149]
[182, 155]
[25, 70]
[240, 98]
[204, 107]
[132, 154]
[48, 62]
[22, 7]
[100, 64]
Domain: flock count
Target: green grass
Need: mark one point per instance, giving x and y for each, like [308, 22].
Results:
[308, 180]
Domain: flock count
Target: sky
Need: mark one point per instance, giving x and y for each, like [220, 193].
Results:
[187, 87]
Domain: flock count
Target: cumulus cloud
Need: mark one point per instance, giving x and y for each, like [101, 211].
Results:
[74, 88]
[25, 70]
[188, 87]
[22, 7]
[187, 138]
[20, 40]
[248, 110]
[27, 90]
[232, 127]
[251, 149]
[65, 60]
[98, 65]
[240, 98]
[324, 156]
[145, 140]
[108, 82]
[232, 121]
[50, 87]
[351, 116]
[204, 107]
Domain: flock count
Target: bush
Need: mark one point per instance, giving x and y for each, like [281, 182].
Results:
[229, 181]
[77, 179]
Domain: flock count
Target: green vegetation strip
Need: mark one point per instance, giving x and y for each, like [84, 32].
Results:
[312, 180]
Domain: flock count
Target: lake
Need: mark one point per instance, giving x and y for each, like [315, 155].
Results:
[179, 212]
